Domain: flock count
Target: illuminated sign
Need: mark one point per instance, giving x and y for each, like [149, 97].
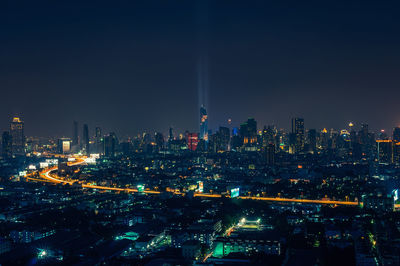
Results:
[234, 192]
[201, 186]
[52, 161]
[140, 188]
[22, 173]
[90, 160]
[395, 194]
[32, 167]
[43, 165]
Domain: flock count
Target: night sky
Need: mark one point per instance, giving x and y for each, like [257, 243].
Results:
[147, 65]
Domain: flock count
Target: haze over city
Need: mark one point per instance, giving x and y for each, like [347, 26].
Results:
[135, 66]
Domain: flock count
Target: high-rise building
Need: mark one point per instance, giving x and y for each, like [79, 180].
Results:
[224, 137]
[385, 151]
[98, 140]
[110, 145]
[363, 134]
[159, 140]
[298, 134]
[396, 152]
[75, 137]
[248, 132]
[64, 145]
[270, 154]
[268, 135]
[312, 140]
[85, 138]
[192, 139]
[18, 137]
[203, 124]
[396, 134]
[6, 145]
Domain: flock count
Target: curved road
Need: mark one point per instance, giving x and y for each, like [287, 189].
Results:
[46, 175]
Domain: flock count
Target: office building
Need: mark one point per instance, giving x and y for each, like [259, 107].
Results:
[18, 137]
[85, 139]
[64, 145]
[248, 132]
[110, 145]
[6, 146]
[192, 140]
[396, 134]
[298, 134]
[270, 154]
[385, 151]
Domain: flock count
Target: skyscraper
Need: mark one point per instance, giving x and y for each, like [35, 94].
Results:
[98, 143]
[6, 145]
[312, 140]
[192, 139]
[298, 134]
[110, 144]
[270, 154]
[203, 124]
[268, 135]
[64, 145]
[75, 137]
[385, 151]
[248, 132]
[396, 134]
[18, 137]
[159, 140]
[86, 138]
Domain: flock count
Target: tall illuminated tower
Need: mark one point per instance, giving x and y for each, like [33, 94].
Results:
[203, 124]
[298, 134]
[86, 138]
[17, 136]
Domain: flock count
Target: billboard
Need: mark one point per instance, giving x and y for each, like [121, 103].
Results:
[43, 164]
[234, 192]
[395, 194]
[140, 188]
[201, 186]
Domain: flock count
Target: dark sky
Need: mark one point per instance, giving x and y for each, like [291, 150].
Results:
[135, 65]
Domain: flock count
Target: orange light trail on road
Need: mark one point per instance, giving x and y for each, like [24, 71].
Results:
[46, 176]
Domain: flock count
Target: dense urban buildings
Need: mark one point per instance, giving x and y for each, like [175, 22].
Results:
[257, 195]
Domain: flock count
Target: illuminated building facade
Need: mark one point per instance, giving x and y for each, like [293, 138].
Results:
[203, 124]
[64, 145]
[248, 132]
[192, 140]
[18, 137]
[298, 134]
[385, 151]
